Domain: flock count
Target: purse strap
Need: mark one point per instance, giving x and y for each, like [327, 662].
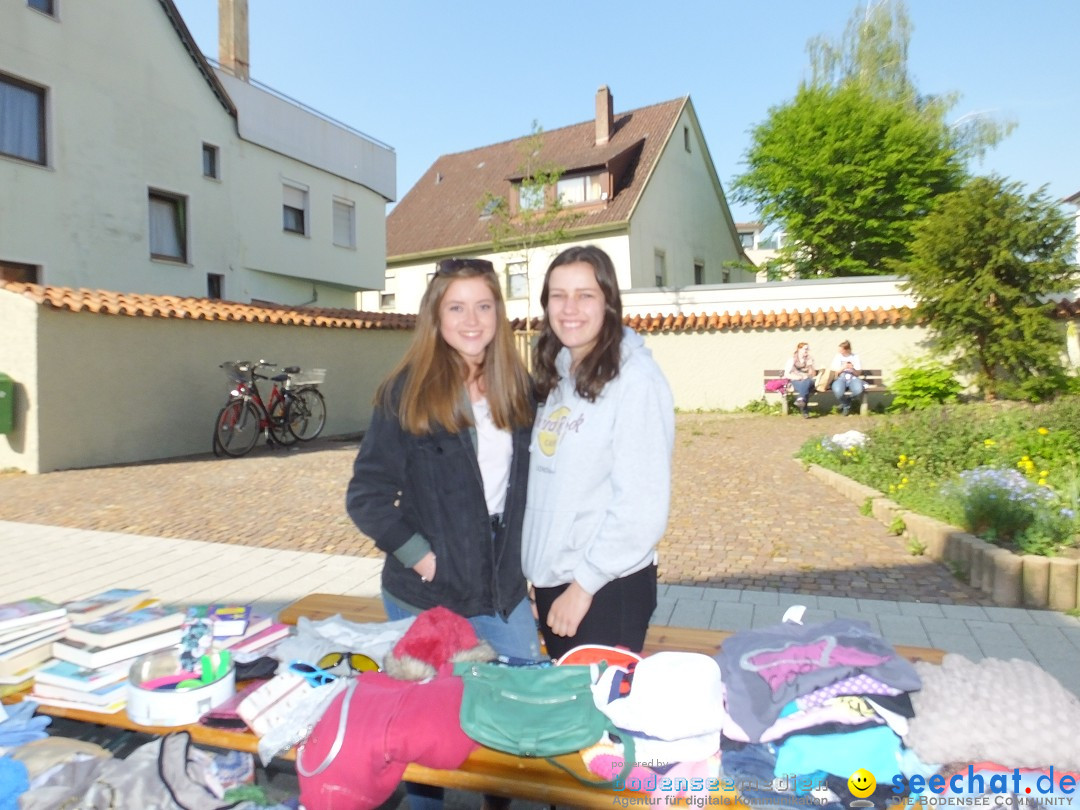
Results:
[628, 763]
[339, 738]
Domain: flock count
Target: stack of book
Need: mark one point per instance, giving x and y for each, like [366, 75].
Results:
[28, 629]
[227, 627]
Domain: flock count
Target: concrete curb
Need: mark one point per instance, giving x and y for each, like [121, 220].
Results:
[1011, 580]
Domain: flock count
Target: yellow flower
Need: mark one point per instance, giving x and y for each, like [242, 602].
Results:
[1042, 482]
[989, 442]
[1044, 474]
[1043, 431]
[903, 480]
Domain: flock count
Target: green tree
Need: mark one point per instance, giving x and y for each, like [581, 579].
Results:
[982, 266]
[858, 156]
[542, 220]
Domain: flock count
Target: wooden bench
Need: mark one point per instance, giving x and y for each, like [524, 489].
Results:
[485, 771]
[871, 377]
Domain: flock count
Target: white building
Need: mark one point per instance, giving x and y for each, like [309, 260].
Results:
[128, 163]
[640, 184]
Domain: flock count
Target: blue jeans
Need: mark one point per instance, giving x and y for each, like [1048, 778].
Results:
[803, 388]
[847, 382]
[515, 637]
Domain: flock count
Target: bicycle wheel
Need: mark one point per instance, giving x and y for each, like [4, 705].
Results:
[279, 423]
[306, 413]
[237, 428]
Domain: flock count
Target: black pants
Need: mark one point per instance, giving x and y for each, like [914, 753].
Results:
[619, 614]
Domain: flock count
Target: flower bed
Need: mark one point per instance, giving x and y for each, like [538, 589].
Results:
[1008, 475]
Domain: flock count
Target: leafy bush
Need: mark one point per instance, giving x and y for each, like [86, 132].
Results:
[922, 386]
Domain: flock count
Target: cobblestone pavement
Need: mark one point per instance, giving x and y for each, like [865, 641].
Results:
[744, 514]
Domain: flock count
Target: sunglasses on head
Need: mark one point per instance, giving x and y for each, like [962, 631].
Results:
[449, 267]
[357, 662]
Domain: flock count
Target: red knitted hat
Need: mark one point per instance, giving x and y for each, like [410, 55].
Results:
[437, 637]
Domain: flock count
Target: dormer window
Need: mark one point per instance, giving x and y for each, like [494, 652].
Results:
[579, 189]
[530, 198]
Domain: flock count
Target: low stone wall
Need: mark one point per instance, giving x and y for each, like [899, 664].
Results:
[1011, 580]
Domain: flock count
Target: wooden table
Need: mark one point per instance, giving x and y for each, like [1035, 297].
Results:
[486, 770]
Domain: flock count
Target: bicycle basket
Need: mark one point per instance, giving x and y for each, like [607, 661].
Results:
[307, 376]
[239, 371]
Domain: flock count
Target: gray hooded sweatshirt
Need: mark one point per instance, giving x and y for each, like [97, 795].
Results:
[599, 475]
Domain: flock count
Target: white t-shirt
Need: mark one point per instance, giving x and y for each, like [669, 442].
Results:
[841, 360]
[494, 449]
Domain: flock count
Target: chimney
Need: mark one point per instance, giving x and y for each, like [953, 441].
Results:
[233, 37]
[605, 115]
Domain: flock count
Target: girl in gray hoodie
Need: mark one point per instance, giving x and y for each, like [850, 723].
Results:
[599, 463]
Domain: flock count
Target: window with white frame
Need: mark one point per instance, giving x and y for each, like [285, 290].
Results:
[660, 268]
[582, 188]
[22, 120]
[210, 166]
[517, 280]
[388, 297]
[344, 223]
[530, 198]
[168, 226]
[294, 208]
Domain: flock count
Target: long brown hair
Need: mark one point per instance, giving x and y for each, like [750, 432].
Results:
[433, 374]
[601, 365]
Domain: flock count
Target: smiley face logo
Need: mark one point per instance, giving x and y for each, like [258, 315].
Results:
[550, 429]
[861, 783]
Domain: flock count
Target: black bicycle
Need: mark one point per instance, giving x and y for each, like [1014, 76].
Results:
[295, 410]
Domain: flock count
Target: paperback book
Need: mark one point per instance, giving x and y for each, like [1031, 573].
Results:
[230, 620]
[264, 638]
[27, 656]
[28, 611]
[111, 708]
[39, 633]
[30, 629]
[66, 675]
[94, 607]
[95, 698]
[116, 628]
[89, 655]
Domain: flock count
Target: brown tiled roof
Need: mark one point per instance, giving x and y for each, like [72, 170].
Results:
[734, 321]
[139, 305]
[441, 213]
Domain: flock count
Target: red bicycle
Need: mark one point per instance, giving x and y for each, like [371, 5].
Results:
[295, 410]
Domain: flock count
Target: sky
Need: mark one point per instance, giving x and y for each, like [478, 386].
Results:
[431, 77]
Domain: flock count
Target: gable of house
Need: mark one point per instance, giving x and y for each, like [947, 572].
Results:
[442, 212]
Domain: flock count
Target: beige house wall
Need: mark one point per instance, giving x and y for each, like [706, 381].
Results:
[722, 370]
[113, 389]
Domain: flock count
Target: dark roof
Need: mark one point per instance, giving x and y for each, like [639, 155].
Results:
[196, 55]
[441, 212]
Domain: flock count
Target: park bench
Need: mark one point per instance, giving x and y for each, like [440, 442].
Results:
[871, 377]
[486, 771]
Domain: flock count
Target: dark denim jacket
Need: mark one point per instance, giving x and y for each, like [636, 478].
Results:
[404, 484]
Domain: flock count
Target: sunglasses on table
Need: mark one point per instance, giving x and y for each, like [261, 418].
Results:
[315, 676]
[356, 662]
[450, 267]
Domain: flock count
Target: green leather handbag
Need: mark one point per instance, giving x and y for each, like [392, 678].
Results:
[535, 712]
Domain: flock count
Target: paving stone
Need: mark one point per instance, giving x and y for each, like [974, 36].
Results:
[1039, 636]
[1066, 672]
[692, 613]
[878, 606]
[963, 612]
[957, 643]
[934, 625]
[985, 632]
[1008, 614]
[732, 616]
[720, 594]
[760, 598]
[837, 603]
[921, 609]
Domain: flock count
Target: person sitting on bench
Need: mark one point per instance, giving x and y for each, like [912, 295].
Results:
[799, 371]
[848, 384]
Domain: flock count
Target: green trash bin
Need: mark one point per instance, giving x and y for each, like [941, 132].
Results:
[7, 403]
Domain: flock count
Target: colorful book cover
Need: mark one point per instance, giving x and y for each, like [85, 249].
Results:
[28, 611]
[37, 632]
[198, 635]
[88, 655]
[61, 622]
[85, 679]
[117, 628]
[90, 608]
[230, 620]
[102, 696]
[27, 656]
